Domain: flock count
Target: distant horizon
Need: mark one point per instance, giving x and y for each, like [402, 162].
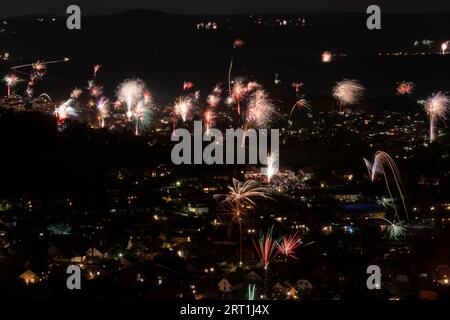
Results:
[226, 14]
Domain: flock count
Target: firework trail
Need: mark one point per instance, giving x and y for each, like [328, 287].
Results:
[382, 160]
[103, 110]
[288, 245]
[40, 64]
[237, 213]
[241, 194]
[405, 87]
[238, 92]
[96, 68]
[300, 104]
[251, 291]
[326, 56]
[437, 107]
[11, 81]
[347, 92]
[236, 44]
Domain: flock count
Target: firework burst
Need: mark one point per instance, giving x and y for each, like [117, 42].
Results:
[348, 92]
[94, 90]
[133, 93]
[209, 119]
[260, 110]
[242, 193]
[76, 93]
[266, 247]
[444, 47]
[395, 230]
[289, 244]
[236, 44]
[437, 107]
[187, 85]
[326, 56]
[182, 107]
[272, 165]
[103, 110]
[11, 81]
[405, 87]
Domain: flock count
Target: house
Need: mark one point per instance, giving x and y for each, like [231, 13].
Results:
[229, 283]
[29, 277]
[307, 173]
[304, 285]
[254, 277]
[94, 252]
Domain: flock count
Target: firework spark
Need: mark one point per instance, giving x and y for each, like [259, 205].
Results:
[405, 87]
[347, 92]
[437, 107]
[242, 193]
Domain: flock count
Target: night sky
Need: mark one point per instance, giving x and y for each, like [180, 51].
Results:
[20, 7]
